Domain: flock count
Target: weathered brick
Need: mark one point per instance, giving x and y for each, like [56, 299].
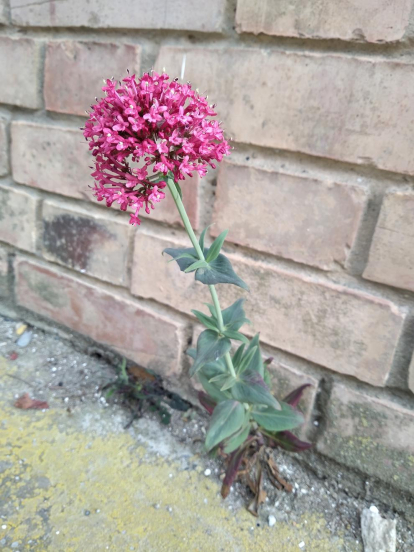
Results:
[361, 433]
[20, 62]
[86, 241]
[4, 148]
[391, 257]
[3, 12]
[411, 375]
[384, 21]
[52, 158]
[308, 102]
[318, 230]
[166, 211]
[90, 62]
[150, 339]
[343, 329]
[18, 217]
[4, 272]
[134, 14]
[286, 379]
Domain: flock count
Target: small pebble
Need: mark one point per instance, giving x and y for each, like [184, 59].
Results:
[4, 526]
[87, 513]
[271, 521]
[57, 532]
[207, 472]
[374, 509]
[302, 544]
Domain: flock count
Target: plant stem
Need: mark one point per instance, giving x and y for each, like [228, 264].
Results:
[189, 229]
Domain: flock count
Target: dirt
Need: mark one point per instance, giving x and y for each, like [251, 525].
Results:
[52, 369]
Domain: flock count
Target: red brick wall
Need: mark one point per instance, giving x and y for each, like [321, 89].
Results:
[318, 196]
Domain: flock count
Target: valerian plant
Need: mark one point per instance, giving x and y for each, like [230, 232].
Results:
[147, 135]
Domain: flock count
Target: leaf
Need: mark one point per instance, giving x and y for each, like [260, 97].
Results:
[210, 323]
[220, 272]
[203, 235]
[238, 355]
[236, 335]
[237, 440]
[210, 346]
[250, 388]
[184, 256]
[277, 420]
[216, 246]
[228, 383]
[228, 417]
[235, 461]
[211, 389]
[246, 360]
[234, 316]
[207, 402]
[294, 397]
[195, 265]
[256, 361]
[25, 402]
[212, 310]
[288, 441]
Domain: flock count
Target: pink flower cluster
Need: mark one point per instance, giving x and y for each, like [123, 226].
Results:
[150, 125]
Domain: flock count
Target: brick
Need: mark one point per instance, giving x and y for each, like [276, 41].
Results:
[411, 375]
[90, 62]
[166, 211]
[361, 433]
[140, 334]
[20, 60]
[52, 158]
[4, 148]
[135, 14]
[284, 380]
[291, 101]
[86, 241]
[3, 12]
[18, 217]
[4, 272]
[386, 21]
[345, 330]
[325, 220]
[391, 257]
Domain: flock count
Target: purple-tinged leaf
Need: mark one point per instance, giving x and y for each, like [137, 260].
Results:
[294, 397]
[268, 361]
[235, 460]
[288, 441]
[206, 402]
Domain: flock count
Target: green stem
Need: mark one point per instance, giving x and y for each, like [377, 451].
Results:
[189, 229]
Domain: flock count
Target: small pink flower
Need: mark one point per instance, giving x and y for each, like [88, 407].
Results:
[159, 124]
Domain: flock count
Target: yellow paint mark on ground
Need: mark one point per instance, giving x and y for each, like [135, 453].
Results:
[68, 486]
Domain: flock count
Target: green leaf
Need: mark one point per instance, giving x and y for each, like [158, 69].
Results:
[203, 235]
[216, 246]
[194, 266]
[218, 271]
[210, 347]
[212, 310]
[250, 388]
[234, 316]
[228, 417]
[184, 256]
[277, 420]
[212, 390]
[256, 362]
[228, 383]
[221, 272]
[236, 440]
[238, 355]
[210, 323]
[236, 335]
[245, 363]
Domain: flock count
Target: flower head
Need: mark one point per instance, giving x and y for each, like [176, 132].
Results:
[150, 125]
